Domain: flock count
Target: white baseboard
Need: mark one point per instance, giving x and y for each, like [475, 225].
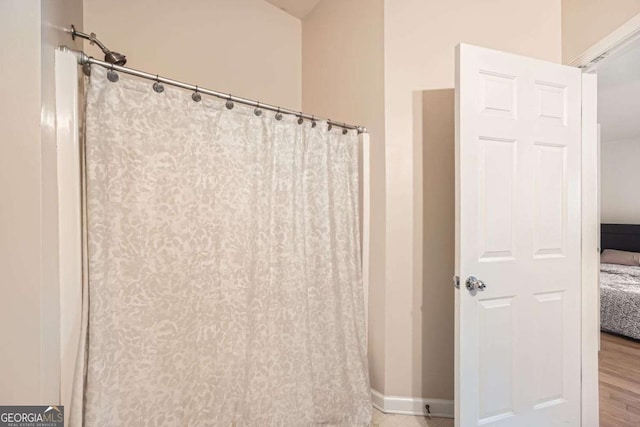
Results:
[411, 405]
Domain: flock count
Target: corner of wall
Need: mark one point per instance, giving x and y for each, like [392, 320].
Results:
[55, 18]
[343, 78]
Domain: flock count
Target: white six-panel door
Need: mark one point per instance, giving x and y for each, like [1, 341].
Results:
[518, 231]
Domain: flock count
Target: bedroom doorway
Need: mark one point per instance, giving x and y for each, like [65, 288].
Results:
[618, 75]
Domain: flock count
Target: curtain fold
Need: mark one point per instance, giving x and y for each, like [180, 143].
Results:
[224, 256]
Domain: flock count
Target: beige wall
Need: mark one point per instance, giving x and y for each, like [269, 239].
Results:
[434, 358]
[586, 22]
[20, 232]
[411, 326]
[342, 78]
[29, 363]
[619, 181]
[361, 61]
[420, 36]
[246, 47]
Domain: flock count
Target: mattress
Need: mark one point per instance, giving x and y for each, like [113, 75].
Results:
[620, 299]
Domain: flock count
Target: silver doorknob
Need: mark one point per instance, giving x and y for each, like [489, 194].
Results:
[473, 283]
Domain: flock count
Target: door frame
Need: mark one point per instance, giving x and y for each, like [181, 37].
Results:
[614, 42]
[590, 411]
[618, 39]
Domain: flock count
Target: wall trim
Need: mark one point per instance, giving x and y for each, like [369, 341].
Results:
[621, 37]
[411, 405]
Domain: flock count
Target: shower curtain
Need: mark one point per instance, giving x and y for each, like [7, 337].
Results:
[224, 265]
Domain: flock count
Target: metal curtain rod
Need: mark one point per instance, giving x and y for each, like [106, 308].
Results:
[84, 59]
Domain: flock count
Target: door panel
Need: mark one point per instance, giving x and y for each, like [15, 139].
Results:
[496, 326]
[550, 200]
[496, 176]
[518, 225]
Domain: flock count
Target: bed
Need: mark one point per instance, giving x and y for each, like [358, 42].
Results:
[620, 284]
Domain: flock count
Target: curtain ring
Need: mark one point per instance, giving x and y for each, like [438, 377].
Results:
[196, 95]
[157, 86]
[278, 115]
[112, 76]
[257, 111]
[229, 103]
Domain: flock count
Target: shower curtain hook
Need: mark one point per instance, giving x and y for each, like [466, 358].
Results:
[329, 125]
[112, 75]
[86, 69]
[300, 119]
[278, 115]
[313, 121]
[257, 111]
[229, 103]
[157, 86]
[196, 95]
[344, 129]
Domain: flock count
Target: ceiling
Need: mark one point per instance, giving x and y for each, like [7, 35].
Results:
[297, 8]
[619, 95]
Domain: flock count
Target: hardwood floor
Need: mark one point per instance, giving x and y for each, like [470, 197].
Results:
[619, 382]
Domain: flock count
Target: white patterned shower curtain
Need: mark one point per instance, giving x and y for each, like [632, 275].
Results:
[224, 255]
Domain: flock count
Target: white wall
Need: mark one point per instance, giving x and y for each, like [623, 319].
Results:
[420, 36]
[342, 78]
[246, 47]
[620, 181]
[29, 355]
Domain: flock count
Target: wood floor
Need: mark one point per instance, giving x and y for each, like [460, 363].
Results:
[619, 382]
